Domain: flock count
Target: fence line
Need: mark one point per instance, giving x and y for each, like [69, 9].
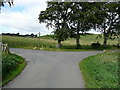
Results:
[4, 47]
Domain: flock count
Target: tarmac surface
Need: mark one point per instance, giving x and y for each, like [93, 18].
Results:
[50, 69]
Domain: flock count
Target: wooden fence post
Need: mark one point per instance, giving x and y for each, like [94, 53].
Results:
[5, 48]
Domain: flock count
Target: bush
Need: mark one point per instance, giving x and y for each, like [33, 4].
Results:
[96, 45]
[9, 63]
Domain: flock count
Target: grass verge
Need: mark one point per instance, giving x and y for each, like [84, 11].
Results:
[15, 64]
[101, 70]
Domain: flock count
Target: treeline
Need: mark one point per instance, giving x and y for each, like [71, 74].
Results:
[18, 34]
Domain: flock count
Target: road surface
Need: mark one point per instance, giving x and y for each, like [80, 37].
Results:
[50, 69]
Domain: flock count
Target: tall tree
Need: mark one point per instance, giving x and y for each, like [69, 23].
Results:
[56, 15]
[110, 22]
[81, 19]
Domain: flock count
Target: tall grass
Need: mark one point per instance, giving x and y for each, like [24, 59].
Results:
[47, 42]
[26, 42]
[101, 70]
[12, 65]
[88, 39]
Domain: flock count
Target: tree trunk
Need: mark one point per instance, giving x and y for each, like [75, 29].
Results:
[105, 42]
[59, 44]
[105, 37]
[78, 39]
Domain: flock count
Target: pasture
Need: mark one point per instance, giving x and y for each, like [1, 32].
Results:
[48, 43]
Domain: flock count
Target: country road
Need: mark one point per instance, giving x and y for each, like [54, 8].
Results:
[50, 69]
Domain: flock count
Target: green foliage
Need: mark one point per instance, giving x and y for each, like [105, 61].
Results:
[101, 70]
[81, 19]
[0, 67]
[61, 34]
[9, 63]
[110, 22]
[12, 65]
[56, 15]
[96, 45]
[2, 3]
[71, 18]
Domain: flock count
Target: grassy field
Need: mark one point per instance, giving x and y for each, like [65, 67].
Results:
[101, 70]
[12, 65]
[47, 43]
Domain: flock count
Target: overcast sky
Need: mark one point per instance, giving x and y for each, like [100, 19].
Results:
[23, 17]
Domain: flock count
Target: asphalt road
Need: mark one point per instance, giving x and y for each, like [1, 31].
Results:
[50, 69]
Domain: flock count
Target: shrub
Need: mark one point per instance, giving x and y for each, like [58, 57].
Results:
[9, 63]
[96, 45]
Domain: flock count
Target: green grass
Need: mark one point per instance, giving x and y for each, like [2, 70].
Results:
[28, 43]
[47, 43]
[12, 65]
[101, 70]
[0, 67]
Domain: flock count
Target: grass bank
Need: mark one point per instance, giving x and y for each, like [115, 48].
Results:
[101, 70]
[12, 65]
[47, 43]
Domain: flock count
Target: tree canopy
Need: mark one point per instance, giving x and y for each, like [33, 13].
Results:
[69, 19]
[2, 3]
[110, 24]
[56, 16]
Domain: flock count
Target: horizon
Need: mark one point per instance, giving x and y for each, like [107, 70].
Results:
[38, 33]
